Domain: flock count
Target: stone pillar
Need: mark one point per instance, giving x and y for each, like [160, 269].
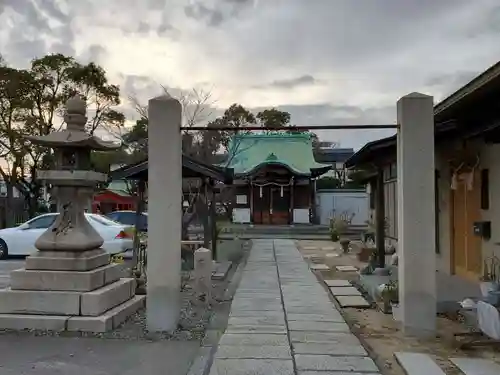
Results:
[416, 207]
[165, 213]
[203, 274]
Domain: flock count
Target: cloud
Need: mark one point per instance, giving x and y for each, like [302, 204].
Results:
[328, 61]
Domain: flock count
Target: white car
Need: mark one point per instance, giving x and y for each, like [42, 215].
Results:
[21, 240]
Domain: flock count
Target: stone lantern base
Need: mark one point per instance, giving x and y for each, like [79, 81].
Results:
[68, 291]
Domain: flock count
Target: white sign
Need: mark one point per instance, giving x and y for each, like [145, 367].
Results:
[241, 199]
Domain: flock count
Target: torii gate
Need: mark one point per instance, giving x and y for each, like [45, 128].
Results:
[416, 208]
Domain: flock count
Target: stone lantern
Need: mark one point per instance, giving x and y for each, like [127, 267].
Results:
[73, 182]
[69, 284]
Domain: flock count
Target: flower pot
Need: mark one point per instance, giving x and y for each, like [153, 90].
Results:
[396, 312]
[487, 287]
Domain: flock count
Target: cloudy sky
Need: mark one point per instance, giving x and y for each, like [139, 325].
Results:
[327, 62]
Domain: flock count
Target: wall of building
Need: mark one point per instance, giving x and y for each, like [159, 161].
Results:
[342, 203]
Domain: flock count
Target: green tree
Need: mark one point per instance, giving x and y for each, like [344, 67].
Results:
[41, 94]
[274, 118]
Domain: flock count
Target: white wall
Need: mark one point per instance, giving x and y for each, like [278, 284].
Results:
[334, 203]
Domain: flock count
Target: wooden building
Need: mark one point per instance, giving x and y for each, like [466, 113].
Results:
[274, 176]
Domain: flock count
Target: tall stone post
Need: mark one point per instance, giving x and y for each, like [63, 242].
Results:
[203, 274]
[165, 213]
[416, 208]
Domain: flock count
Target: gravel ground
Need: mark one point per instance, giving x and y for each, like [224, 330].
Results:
[194, 317]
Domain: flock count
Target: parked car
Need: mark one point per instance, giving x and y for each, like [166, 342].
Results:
[20, 240]
[129, 217]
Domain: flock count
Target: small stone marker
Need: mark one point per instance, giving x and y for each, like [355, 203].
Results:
[418, 363]
[352, 301]
[345, 291]
[319, 267]
[346, 268]
[337, 283]
[476, 366]
[203, 274]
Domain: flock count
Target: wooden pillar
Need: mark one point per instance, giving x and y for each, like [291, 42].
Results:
[380, 217]
[213, 217]
[141, 188]
[207, 233]
[292, 203]
[251, 201]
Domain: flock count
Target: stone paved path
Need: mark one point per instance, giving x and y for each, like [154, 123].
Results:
[282, 322]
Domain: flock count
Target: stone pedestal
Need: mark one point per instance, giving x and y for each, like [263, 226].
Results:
[203, 274]
[416, 215]
[68, 291]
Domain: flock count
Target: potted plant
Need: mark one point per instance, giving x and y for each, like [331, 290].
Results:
[337, 228]
[344, 243]
[489, 281]
[390, 298]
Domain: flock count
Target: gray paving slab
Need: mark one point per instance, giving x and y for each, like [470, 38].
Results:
[419, 363]
[251, 313]
[333, 316]
[352, 301]
[334, 338]
[256, 329]
[264, 351]
[345, 291]
[252, 367]
[337, 283]
[329, 349]
[330, 363]
[257, 320]
[317, 326]
[476, 366]
[336, 373]
[346, 268]
[244, 339]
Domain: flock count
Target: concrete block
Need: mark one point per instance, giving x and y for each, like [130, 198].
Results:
[67, 261]
[112, 273]
[39, 302]
[84, 281]
[98, 301]
[329, 363]
[41, 322]
[319, 267]
[107, 321]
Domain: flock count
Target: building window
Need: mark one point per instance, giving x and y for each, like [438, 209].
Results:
[485, 189]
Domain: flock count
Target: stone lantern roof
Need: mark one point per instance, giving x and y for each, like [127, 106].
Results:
[74, 135]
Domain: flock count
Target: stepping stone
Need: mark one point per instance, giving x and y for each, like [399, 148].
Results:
[352, 301]
[418, 363]
[317, 326]
[310, 256]
[329, 248]
[310, 248]
[336, 283]
[319, 267]
[331, 338]
[332, 255]
[346, 268]
[345, 291]
[476, 366]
